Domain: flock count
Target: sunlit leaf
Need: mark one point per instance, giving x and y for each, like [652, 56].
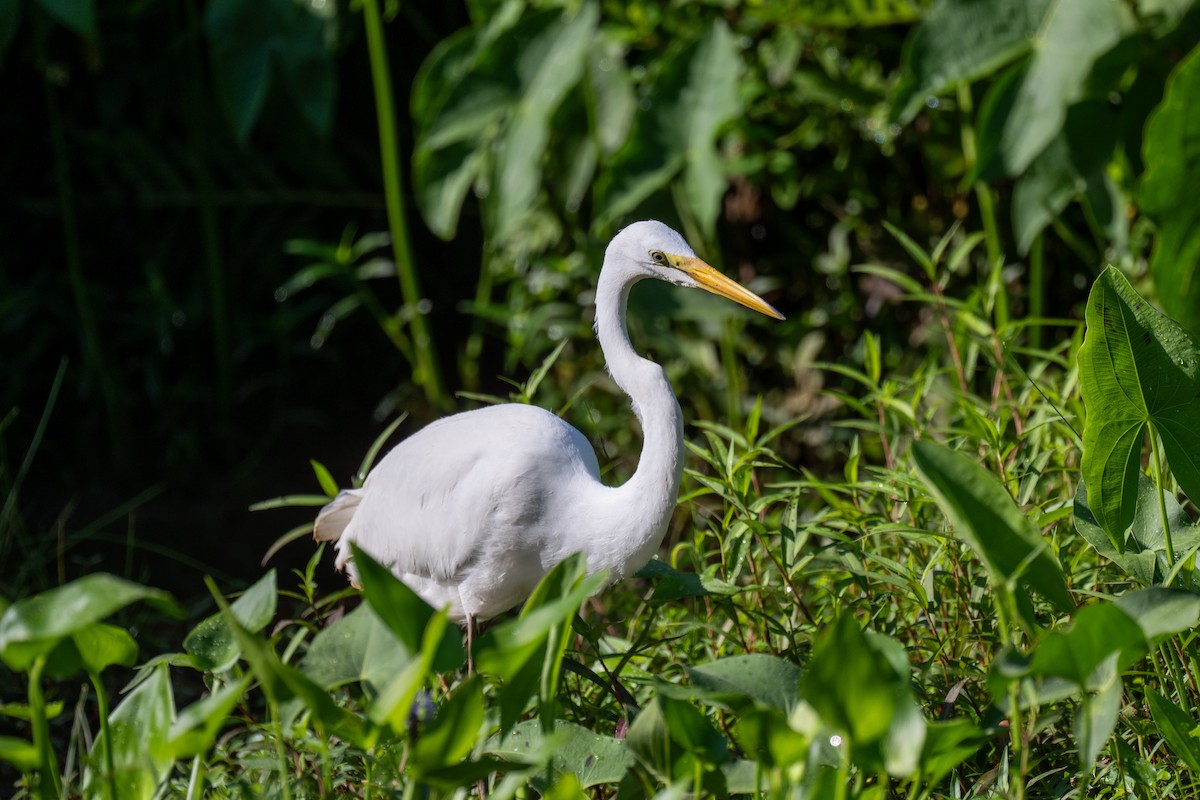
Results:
[1137, 368]
[358, 647]
[593, 758]
[213, 644]
[35, 625]
[767, 679]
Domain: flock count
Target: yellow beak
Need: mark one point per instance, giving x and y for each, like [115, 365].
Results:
[715, 282]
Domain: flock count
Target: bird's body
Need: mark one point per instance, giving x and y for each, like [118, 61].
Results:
[472, 510]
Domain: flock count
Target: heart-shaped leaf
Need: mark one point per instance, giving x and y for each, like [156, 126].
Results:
[1137, 368]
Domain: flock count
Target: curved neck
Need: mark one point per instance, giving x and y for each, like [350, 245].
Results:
[648, 498]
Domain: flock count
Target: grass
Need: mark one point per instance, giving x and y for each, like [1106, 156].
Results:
[891, 629]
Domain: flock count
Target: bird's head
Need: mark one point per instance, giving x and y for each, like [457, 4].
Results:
[651, 249]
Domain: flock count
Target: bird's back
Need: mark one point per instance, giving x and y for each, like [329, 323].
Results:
[472, 497]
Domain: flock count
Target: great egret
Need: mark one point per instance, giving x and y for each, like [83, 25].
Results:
[472, 510]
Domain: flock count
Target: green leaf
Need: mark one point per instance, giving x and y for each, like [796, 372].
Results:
[78, 15]
[948, 743]
[34, 626]
[766, 736]
[649, 740]
[213, 643]
[1095, 719]
[19, 752]
[358, 647]
[250, 40]
[1098, 633]
[1145, 555]
[328, 484]
[960, 41]
[767, 679]
[452, 734]
[195, 729]
[1171, 150]
[985, 516]
[550, 66]
[1136, 368]
[693, 731]
[402, 610]
[101, 645]
[854, 687]
[1161, 612]
[1071, 36]
[695, 95]
[138, 729]
[1072, 163]
[593, 758]
[1177, 727]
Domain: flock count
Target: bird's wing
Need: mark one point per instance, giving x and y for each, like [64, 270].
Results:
[466, 486]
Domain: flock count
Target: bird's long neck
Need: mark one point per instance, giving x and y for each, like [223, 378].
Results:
[648, 498]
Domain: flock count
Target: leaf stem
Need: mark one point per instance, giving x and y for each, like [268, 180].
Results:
[425, 366]
[1156, 462]
[110, 779]
[50, 785]
[983, 196]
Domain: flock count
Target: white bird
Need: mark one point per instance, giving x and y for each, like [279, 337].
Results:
[474, 509]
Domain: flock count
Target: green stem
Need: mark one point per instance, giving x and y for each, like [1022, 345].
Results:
[1156, 461]
[110, 773]
[281, 755]
[50, 785]
[1005, 611]
[425, 369]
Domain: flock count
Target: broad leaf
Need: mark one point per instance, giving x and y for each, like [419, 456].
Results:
[767, 679]
[1145, 555]
[593, 758]
[855, 688]
[1098, 633]
[213, 645]
[138, 730]
[34, 626]
[358, 647]
[78, 15]
[452, 734]
[985, 516]
[1137, 368]
[1171, 150]
[694, 97]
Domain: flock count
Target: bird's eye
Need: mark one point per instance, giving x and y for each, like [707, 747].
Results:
[658, 256]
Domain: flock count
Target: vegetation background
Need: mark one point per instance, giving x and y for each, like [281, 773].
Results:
[238, 235]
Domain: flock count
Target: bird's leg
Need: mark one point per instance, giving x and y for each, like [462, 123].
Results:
[472, 630]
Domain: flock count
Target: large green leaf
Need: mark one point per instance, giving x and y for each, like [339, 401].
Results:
[36, 625]
[1137, 368]
[1071, 36]
[695, 95]
[358, 647]
[855, 688]
[549, 67]
[78, 15]
[768, 679]
[1171, 150]
[213, 645]
[1145, 554]
[593, 758]
[1071, 165]
[985, 516]
[138, 729]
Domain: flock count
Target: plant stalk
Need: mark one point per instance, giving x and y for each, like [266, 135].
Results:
[425, 368]
[110, 772]
[50, 784]
[1156, 460]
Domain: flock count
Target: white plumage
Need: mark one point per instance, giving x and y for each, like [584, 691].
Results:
[474, 509]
